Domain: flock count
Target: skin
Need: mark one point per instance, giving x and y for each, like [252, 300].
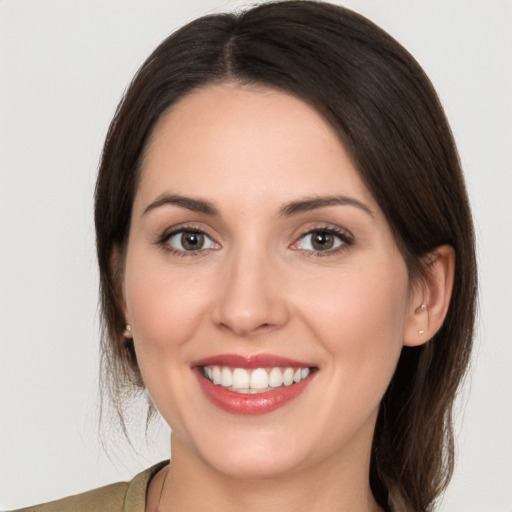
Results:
[257, 287]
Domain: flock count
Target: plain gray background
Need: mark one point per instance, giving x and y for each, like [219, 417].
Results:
[63, 67]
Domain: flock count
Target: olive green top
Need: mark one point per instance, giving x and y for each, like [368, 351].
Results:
[121, 497]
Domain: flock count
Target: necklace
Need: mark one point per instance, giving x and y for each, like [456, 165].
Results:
[158, 509]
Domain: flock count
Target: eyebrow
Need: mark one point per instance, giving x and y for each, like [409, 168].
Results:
[314, 203]
[195, 205]
[290, 209]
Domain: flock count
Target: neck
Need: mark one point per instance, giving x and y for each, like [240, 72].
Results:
[330, 486]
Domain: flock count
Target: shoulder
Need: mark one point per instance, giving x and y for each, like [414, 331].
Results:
[120, 497]
[109, 498]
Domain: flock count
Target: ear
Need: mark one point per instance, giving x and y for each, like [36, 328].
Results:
[117, 269]
[430, 299]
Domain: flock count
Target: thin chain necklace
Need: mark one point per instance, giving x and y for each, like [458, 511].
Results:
[158, 509]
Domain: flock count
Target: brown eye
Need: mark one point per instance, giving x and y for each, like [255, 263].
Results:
[322, 241]
[192, 241]
[189, 241]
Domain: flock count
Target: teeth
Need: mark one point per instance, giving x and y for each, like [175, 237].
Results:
[216, 376]
[240, 378]
[275, 379]
[226, 378]
[259, 379]
[254, 381]
[288, 377]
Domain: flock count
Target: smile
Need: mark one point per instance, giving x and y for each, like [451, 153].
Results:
[259, 380]
[250, 385]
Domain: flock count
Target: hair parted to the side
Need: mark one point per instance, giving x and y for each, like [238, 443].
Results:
[388, 116]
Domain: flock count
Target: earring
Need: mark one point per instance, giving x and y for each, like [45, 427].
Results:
[421, 332]
[128, 332]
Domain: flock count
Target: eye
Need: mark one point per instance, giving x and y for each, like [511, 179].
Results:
[322, 240]
[188, 240]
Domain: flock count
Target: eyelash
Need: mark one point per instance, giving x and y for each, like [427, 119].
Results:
[344, 237]
[163, 241]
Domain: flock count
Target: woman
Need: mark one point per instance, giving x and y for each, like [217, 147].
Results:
[287, 266]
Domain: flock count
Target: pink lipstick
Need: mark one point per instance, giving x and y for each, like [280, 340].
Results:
[253, 384]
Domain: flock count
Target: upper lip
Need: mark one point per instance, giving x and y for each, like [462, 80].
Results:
[250, 361]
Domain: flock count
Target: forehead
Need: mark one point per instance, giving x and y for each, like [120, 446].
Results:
[232, 141]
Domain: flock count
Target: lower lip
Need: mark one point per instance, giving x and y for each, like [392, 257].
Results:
[251, 404]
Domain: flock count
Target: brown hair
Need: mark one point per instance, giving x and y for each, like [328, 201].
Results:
[390, 120]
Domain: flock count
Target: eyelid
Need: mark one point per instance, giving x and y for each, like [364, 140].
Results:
[345, 236]
[163, 239]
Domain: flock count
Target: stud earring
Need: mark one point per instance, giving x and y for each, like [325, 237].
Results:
[128, 332]
[421, 332]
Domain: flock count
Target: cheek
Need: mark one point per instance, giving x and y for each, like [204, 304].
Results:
[165, 306]
[359, 316]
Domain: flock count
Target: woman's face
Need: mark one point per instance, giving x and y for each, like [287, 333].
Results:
[257, 256]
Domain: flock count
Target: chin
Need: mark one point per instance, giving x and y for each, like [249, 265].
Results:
[246, 454]
[252, 465]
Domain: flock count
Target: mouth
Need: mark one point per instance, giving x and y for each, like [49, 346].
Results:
[250, 385]
[252, 381]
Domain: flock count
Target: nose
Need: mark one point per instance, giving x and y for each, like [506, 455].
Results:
[251, 299]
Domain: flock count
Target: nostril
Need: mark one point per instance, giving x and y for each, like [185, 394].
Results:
[249, 313]
[265, 327]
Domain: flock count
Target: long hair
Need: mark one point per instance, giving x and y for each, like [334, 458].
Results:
[389, 119]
